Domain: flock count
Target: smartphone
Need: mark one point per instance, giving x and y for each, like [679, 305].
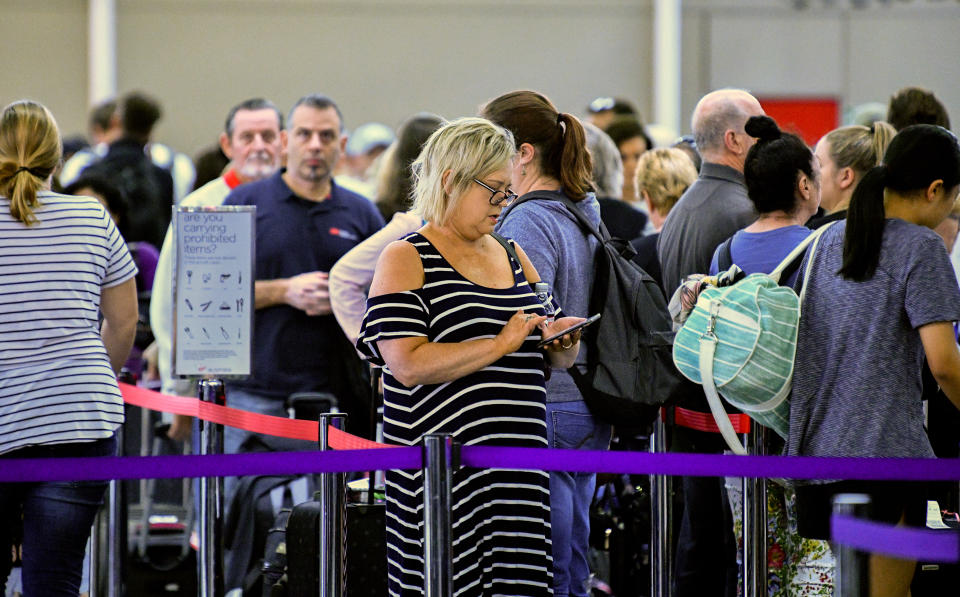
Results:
[572, 328]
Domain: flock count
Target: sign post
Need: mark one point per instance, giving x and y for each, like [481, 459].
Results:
[213, 324]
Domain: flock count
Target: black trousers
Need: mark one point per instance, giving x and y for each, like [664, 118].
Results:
[706, 554]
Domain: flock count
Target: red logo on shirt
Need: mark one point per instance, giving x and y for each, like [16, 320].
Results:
[342, 233]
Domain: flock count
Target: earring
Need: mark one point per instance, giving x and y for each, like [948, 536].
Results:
[523, 170]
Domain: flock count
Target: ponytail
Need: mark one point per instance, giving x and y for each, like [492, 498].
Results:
[917, 156]
[865, 222]
[576, 168]
[881, 133]
[22, 189]
[558, 137]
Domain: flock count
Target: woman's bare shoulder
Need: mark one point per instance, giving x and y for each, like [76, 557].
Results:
[398, 269]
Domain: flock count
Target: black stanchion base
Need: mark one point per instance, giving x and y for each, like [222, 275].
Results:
[146, 581]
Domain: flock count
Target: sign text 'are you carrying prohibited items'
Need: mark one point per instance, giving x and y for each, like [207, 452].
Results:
[213, 291]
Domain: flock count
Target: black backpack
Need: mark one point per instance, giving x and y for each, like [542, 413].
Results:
[630, 371]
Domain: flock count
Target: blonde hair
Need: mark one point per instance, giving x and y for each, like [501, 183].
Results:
[30, 150]
[665, 174]
[859, 147]
[467, 147]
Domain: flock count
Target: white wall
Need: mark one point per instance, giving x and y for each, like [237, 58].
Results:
[386, 59]
[857, 56]
[43, 56]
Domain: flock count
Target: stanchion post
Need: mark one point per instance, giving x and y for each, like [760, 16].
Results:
[754, 552]
[116, 531]
[331, 553]
[111, 583]
[661, 516]
[211, 498]
[853, 566]
[437, 508]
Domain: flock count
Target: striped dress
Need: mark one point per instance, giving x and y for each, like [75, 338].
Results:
[56, 382]
[501, 517]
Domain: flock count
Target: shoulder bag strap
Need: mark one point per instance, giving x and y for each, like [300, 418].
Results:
[806, 273]
[797, 253]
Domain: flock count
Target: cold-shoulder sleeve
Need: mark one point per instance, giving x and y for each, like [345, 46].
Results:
[392, 316]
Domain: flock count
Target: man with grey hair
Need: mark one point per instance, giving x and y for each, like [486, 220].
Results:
[251, 141]
[605, 157]
[712, 209]
[620, 217]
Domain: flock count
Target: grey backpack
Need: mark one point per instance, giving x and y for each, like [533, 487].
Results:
[630, 372]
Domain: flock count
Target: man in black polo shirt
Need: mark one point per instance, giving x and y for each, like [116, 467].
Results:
[305, 223]
[712, 209]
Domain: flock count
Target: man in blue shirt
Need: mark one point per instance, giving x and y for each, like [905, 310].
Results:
[304, 224]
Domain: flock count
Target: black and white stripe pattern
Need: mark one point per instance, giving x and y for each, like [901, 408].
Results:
[56, 383]
[501, 528]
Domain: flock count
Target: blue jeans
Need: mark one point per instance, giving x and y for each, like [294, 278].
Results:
[571, 426]
[56, 520]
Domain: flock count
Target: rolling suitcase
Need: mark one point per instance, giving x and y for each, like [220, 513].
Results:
[366, 556]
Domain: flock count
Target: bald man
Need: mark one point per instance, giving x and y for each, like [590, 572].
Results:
[716, 205]
[713, 208]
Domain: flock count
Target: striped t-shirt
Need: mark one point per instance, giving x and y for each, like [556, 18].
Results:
[56, 382]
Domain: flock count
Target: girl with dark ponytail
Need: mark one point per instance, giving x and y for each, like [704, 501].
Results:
[553, 163]
[880, 295]
[917, 158]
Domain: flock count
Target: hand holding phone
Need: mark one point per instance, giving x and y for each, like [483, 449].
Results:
[573, 328]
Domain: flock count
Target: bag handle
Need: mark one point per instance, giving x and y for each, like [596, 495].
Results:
[798, 251]
[708, 347]
[806, 273]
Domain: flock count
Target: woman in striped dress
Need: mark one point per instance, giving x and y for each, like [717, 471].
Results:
[453, 319]
[62, 263]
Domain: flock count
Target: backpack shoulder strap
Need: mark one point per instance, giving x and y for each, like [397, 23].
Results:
[601, 232]
[511, 250]
[725, 258]
[528, 197]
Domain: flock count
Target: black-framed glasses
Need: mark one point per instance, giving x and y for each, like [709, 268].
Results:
[498, 197]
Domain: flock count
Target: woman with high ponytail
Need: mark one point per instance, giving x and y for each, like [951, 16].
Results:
[553, 164]
[846, 155]
[880, 296]
[62, 265]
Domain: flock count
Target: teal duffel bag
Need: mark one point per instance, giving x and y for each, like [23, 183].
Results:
[740, 340]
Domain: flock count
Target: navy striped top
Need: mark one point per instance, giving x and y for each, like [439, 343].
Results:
[56, 382]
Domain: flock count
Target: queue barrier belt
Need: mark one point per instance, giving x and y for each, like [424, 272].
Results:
[897, 542]
[354, 454]
[696, 420]
[541, 459]
[925, 545]
[242, 419]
